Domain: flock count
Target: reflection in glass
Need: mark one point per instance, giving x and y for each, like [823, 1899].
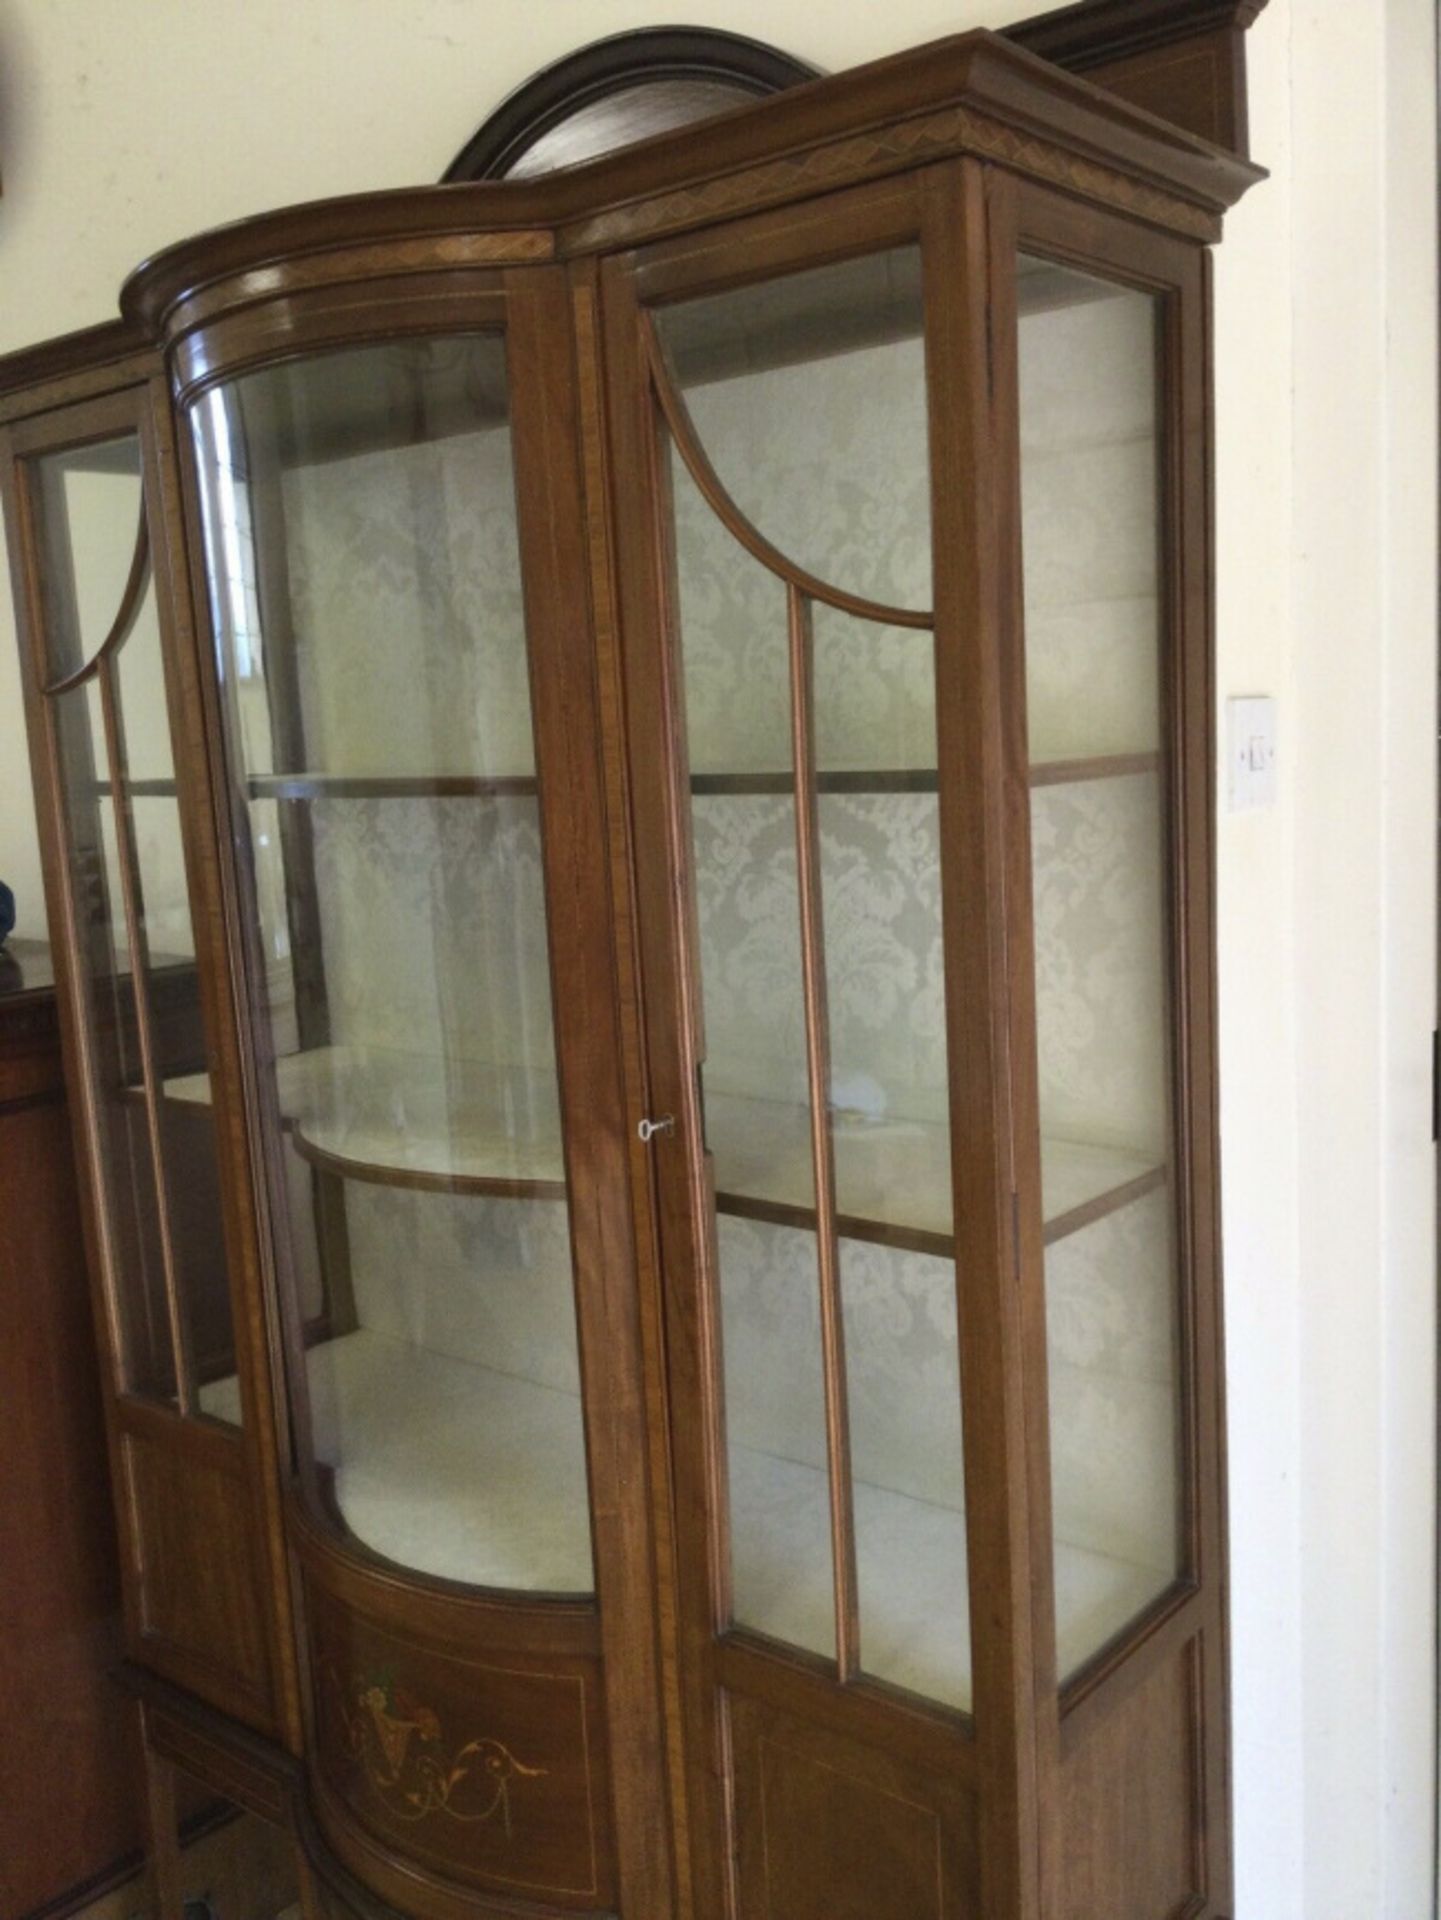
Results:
[808, 397]
[1090, 464]
[157, 1163]
[361, 537]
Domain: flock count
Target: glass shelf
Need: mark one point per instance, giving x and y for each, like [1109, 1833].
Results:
[406, 1120]
[369, 786]
[858, 780]
[401, 1120]
[894, 1175]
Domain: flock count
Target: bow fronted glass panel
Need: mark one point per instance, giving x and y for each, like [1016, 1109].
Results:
[362, 546]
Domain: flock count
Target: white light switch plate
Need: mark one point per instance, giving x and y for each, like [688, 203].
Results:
[1250, 752]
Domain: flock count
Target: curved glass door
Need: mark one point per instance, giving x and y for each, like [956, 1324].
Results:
[362, 542]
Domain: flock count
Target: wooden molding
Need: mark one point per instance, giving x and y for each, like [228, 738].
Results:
[1183, 60]
[1096, 33]
[618, 90]
[706, 62]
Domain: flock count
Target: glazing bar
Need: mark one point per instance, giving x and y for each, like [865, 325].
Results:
[813, 972]
[140, 986]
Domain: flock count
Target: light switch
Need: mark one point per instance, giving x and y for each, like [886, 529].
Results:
[1251, 751]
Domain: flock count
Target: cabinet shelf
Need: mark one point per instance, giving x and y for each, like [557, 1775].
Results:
[447, 786]
[402, 1120]
[369, 786]
[405, 1121]
[893, 1176]
[861, 780]
[1096, 766]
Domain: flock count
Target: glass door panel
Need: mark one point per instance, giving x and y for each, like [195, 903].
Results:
[106, 698]
[748, 901]
[90, 502]
[361, 533]
[795, 415]
[878, 811]
[1091, 494]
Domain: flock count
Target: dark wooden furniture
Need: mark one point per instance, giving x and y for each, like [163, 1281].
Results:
[671, 705]
[70, 1818]
[620, 90]
[1178, 58]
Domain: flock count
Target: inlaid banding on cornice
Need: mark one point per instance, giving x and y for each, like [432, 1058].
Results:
[431, 254]
[957, 130]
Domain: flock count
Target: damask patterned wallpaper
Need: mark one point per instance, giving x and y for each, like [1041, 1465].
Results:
[1090, 484]
[408, 612]
[405, 585]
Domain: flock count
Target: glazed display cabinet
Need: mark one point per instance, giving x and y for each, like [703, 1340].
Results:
[625, 765]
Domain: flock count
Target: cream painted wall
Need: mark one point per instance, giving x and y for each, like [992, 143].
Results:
[114, 140]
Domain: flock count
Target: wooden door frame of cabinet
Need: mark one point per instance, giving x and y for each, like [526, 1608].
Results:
[530, 306]
[1003, 1398]
[1193, 1612]
[942, 209]
[198, 776]
[583, 943]
[142, 407]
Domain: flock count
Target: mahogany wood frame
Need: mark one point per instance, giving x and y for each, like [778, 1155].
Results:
[246, 1538]
[972, 151]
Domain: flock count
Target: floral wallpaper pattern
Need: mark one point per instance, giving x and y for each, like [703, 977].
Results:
[1091, 541]
[407, 603]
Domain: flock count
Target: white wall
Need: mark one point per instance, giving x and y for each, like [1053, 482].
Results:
[117, 139]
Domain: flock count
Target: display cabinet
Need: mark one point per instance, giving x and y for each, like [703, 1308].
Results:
[662, 1313]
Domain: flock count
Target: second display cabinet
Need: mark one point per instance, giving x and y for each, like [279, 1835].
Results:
[664, 1351]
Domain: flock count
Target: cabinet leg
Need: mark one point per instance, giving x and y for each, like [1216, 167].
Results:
[162, 1829]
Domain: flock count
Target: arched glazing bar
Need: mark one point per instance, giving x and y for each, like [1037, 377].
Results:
[132, 598]
[689, 446]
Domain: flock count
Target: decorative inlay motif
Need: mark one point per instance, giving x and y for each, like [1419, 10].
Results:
[400, 1746]
[958, 129]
